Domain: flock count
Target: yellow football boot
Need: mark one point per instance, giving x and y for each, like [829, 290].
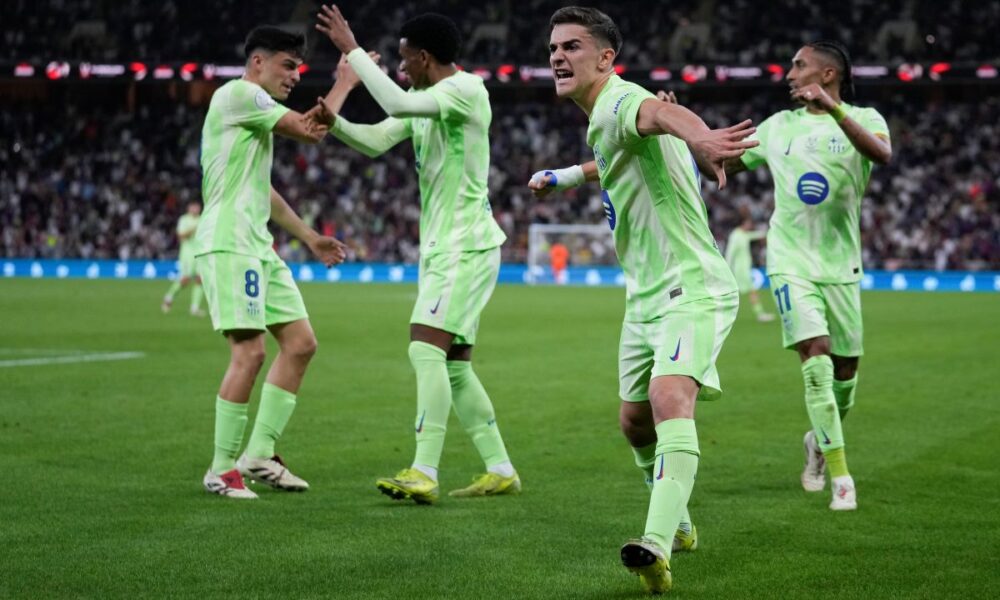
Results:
[686, 542]
[645, 558]
[409, 483]
[489, 484]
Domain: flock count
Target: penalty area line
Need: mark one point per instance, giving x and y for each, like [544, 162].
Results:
[76, 358]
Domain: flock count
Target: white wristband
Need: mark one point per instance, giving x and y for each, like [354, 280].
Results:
[562, 179]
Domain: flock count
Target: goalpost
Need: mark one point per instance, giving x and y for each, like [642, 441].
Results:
[553, 249]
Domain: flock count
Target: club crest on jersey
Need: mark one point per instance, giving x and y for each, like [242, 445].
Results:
[263, 100]
[813, 188]
[602, 163]
[609, 209]
[812, 143]
[836, 145]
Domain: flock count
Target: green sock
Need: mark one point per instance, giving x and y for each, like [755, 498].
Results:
[820, 403]
[843, 391]
[276, 407]
[675, 469]
[645, 458]
[433, 401]
[230, 421]
[475, 412]
[196, 295]
[174, 288]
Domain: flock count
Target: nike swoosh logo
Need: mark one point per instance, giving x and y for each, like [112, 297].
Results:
[660, 474]
[436, 306]
[677, 351]
[420, 425]
[826, 438]
[789, 148]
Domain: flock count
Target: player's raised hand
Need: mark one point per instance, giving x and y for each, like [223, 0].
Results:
[330, 251]
[666, 97]
[345, 72]
[716, 145]
[541, 184]
[335, 26]
[814, 96]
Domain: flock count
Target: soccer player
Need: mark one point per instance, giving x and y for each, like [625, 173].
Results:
[820, 156]
[447, 113]
[740, 260]
[187, 225]
[249, 288]
[681, 299]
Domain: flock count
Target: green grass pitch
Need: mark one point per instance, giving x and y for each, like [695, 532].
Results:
[102, 461]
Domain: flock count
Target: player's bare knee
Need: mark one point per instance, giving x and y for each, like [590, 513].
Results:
[249, 359]
[818, 346]
[845, 367]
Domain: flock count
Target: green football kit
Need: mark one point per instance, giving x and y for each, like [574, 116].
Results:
[247, 285]
[739, 256]
[814, 240]
[680, 297]
[459, 263]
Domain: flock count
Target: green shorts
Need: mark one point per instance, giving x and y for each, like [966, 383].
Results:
[245, 292]
[453, 290]
[810, 310]
[187, 267]
[686, 341]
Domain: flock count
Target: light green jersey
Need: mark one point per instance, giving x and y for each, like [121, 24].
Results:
[452, 154]
[652, 198]
[738, 253]
[236, 155]
[187, 224]
[819, 180]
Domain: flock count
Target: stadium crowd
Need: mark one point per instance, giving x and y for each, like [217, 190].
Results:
[496, 32]
[111, 184]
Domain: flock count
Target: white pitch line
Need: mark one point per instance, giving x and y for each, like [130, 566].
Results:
[63, 360]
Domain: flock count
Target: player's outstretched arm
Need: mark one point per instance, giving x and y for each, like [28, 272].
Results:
[370, 140]
[544, 182]
[328, 250]
[393, 100]
[347, 80]
[711, 147]
[300, 127]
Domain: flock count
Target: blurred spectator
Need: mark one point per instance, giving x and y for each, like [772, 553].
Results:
[111, 184]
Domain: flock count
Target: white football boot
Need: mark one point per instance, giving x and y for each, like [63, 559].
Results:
[814, 473]
[228, 484]
[845, 497]
[271, 471]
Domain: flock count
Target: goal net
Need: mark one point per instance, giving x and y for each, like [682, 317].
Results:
[561, 254]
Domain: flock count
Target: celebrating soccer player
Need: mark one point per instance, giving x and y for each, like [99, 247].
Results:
[187, 226]
[740, 260]
[681, 299]
[249, 288]
[447, 113]
[820, 157]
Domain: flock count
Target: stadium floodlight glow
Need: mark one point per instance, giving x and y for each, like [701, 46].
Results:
[483, 72]
[504, 73]
[303, 69]
[530, 73]
[163, 72]
[57, 70]
[869, 71]
[24, 70]
[937, 69]
[986, 72]
[619, 69]
[694, 73]
[777, 72]
[723, 73]
[909, 72]
[188, 71]
[660, 74]
[138, 70]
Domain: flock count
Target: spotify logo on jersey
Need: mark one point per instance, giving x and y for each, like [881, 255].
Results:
[813, 188]
[609, 209]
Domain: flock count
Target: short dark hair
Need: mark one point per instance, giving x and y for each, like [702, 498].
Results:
[437, 34]
[274, 39]
[838, 55]
[598, 24]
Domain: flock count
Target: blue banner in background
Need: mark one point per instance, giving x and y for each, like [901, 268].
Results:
[929, 281]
